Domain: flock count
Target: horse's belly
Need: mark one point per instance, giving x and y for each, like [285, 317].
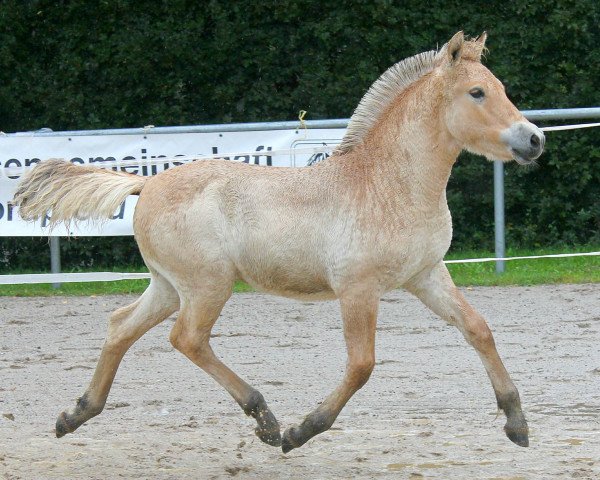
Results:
[291, 270]
[290, 281]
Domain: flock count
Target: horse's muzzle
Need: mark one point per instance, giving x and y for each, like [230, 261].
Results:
[524, 141]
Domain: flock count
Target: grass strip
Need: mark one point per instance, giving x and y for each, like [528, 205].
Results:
[519, 272]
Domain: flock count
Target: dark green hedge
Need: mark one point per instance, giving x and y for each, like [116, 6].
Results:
[79, 65]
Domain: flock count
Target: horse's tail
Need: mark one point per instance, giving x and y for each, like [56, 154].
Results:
[70, 192]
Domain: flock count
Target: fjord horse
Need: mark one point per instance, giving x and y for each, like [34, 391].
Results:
[371, 218]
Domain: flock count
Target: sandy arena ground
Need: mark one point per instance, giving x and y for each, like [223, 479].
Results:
[427, 412]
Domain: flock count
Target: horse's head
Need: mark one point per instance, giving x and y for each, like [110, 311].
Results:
[479, 115]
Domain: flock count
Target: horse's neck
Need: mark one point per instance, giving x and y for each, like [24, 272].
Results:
[412, 153]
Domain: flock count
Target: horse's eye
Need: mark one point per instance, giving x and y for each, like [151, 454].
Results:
[477, 93]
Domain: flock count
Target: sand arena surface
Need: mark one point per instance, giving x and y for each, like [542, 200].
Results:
[427, 412]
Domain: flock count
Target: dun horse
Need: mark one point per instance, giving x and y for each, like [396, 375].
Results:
[371, 218]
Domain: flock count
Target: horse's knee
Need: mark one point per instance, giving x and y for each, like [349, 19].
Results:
[482, 337]
[478, 333]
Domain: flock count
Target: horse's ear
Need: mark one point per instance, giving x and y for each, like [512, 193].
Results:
[455, 46]
[481, 39]
[480, 44]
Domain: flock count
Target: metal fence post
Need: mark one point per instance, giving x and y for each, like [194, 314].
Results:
[55, 258]
[499, 214]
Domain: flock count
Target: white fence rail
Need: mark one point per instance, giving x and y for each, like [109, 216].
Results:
[58, 278]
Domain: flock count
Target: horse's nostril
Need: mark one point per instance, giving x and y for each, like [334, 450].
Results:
[535, 141]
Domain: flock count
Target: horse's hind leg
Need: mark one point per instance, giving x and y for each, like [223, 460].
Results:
[437, 290]
[125, 326]
[359, 313]
[191, 334]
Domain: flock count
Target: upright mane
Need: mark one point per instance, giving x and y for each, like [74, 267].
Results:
[393, 82]
[381, 94]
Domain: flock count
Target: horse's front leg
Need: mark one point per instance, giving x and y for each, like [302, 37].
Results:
[359, 313]
[436, 290]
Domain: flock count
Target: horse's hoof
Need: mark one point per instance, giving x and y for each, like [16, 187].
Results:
[288, 443]
[272, 437]
[520, 436]
[62, 425]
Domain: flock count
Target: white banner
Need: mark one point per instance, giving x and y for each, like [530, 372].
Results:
[142, 154]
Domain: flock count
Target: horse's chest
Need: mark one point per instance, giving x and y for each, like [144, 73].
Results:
[405, 254]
